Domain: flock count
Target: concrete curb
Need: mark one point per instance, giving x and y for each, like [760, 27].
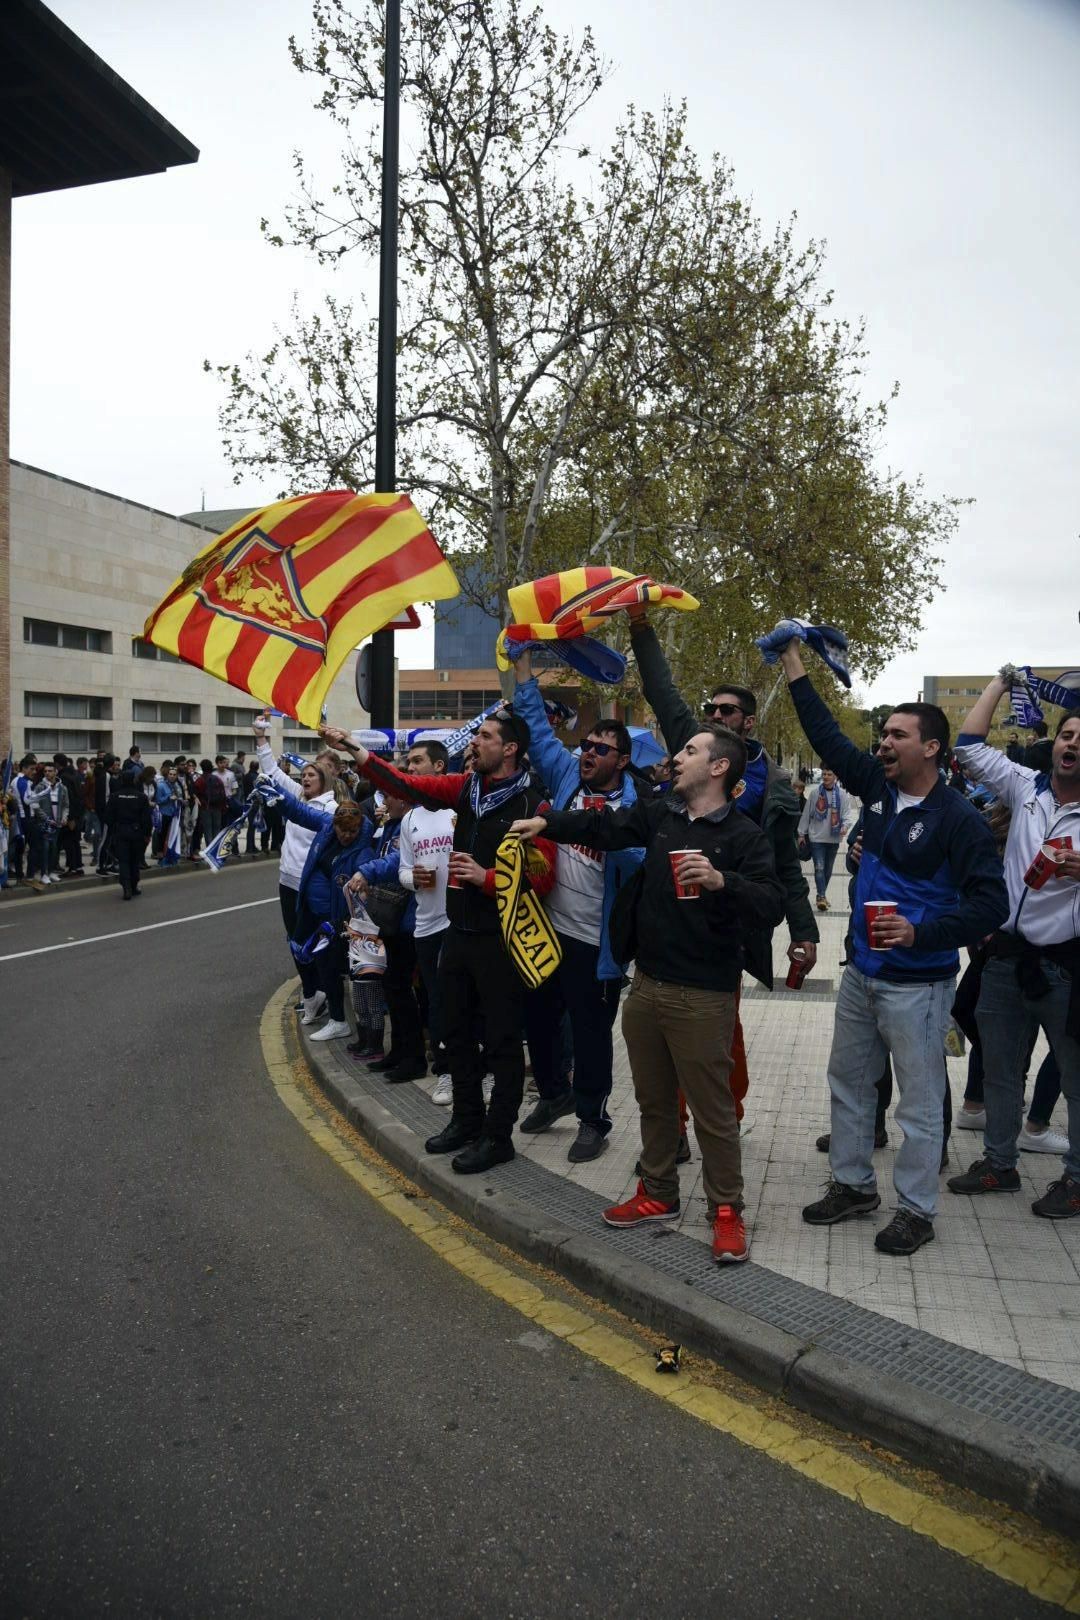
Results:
[995, 1459]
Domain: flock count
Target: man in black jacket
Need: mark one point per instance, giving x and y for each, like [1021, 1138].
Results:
[476, 975]
[768, 799]
[708, 877]
[128, 818]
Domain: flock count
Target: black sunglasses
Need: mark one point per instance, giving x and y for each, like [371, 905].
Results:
[603, 749]
[722, 708]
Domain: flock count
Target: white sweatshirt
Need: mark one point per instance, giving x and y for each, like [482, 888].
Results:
[297, 840]
[427, 837]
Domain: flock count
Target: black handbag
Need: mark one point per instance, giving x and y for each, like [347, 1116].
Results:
[386, 905]
[622, 924]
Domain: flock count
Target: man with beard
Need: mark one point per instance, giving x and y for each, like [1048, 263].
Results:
[1031, 980]
[476, 976]
[929, 881]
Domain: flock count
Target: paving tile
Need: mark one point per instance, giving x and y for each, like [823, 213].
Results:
[1052, 1302]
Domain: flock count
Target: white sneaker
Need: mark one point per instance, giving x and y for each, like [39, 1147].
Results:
[1044, 1141]
[335, 1030]
[444, 1091]
[966, 1120]
[488, 1084]
[314, 1007]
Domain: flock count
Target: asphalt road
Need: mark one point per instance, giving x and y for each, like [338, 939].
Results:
[231, 1385]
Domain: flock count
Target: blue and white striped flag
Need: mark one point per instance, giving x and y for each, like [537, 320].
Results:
[227, 842]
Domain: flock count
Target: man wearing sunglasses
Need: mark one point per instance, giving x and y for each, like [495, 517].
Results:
[767, 798]
[579, 906]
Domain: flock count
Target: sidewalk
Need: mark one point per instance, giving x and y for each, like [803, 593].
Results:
[964, 1357]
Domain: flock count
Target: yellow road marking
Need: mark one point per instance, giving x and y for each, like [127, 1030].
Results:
[1042, 1564]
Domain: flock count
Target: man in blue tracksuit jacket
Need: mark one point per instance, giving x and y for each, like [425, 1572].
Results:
[927, 850]
[579, 905]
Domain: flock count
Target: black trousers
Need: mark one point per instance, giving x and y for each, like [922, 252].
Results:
[129, 853]
[428, 951]
[406, 1029]
[476, 975]
[326, 971]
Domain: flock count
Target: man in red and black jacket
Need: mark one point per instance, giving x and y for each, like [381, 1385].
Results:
[476, 977]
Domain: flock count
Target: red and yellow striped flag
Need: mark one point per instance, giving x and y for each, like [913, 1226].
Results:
[275, 605]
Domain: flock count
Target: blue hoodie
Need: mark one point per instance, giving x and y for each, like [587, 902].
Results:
[562, 778]
[937, 860]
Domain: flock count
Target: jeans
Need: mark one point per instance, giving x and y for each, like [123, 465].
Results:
[876, 1018]
[823, 856]
[1008, 1022]
[592, 1004]
[1044, 1093]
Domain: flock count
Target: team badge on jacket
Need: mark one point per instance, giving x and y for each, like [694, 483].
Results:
[915, 832]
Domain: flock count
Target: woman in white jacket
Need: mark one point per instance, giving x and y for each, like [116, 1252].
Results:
[315, 788]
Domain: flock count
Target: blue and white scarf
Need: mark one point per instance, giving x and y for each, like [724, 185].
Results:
[486, 803]
[1026, 689]
[826, 807]
[829, 643]
[227, 842]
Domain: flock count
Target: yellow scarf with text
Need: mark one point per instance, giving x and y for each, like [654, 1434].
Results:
[530, 940]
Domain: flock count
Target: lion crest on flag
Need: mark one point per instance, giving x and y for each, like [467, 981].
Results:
[254, 582]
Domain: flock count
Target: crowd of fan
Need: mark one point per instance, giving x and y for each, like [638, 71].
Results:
[679, 875]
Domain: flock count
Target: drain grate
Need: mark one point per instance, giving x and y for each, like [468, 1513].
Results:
[972, 1381]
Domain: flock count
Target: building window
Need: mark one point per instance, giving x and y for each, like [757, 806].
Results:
[146, 649]
[308, 746]
[39, 741]
[67, 706]
[238, 717]
[165, 742]
[240, 742]
[169, 714]
[75, 637]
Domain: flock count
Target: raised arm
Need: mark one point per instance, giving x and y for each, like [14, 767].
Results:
[677, 720]
[858, 771]
[269, 766]
[431, 791]
[553, 761]
[980, 716]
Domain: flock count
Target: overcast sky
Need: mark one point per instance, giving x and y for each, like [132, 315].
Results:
[934, 144]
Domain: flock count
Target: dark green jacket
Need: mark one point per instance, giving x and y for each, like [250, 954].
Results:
[780, 811]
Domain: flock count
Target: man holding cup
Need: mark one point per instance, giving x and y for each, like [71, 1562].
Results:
[1031, 979]
[708, 877]
[929, 881]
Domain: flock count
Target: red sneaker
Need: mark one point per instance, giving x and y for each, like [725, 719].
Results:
[641, 1208]
[729, 1244]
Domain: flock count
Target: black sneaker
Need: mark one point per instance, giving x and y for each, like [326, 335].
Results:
[405, 1071]
[840, 1203]
[905, 1233]
[451, 1139]
[482, 1155]
[683, 1154]
[588, 1144]
[1060, 1201]
[824, 1141]
[546, 1112]
[983, 1178]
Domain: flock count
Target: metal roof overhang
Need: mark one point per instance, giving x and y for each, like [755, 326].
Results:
[66, 119]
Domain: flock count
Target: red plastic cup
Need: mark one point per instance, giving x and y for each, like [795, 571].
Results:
[683, 891]
[1045, 864]
[872, 910]
[593, 801]
[798, 970]
[452, 879]
[424, 877]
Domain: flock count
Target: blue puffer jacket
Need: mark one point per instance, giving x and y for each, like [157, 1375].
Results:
[562, 778]
[322, 895]
[937, 860]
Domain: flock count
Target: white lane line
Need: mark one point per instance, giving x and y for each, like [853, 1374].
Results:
[147, 928]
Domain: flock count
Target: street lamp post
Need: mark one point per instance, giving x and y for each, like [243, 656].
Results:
[382, 643]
